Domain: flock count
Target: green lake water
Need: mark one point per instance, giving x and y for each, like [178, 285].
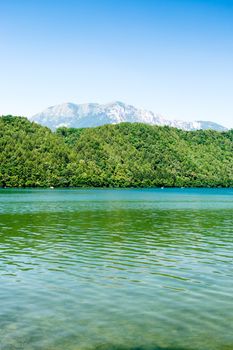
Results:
[116, 269]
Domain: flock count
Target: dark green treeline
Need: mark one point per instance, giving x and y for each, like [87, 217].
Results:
[121, 155]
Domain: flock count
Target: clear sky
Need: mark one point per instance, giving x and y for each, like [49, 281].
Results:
[173, 57]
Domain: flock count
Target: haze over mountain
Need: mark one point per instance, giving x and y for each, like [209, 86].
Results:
[94, 114]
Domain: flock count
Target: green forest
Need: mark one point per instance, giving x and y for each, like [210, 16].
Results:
[121, 155]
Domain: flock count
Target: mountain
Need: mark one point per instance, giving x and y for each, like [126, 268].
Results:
[120, 155]
[94, 114]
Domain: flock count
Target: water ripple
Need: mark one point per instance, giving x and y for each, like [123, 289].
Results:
[109, 270]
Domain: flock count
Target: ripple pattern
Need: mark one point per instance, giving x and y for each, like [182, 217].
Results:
[116, 269]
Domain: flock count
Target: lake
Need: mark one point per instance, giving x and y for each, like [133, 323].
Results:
[106, 269]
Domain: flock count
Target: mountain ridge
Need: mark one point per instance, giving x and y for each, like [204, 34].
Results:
[94, 114]
[120, 155]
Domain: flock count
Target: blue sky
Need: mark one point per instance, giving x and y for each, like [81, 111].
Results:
[172, 57]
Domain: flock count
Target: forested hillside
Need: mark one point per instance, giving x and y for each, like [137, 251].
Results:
[119, 155]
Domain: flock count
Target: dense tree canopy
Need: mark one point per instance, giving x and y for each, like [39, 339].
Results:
[119, 155]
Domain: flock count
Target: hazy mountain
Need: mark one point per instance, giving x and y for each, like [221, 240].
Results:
[94, 114]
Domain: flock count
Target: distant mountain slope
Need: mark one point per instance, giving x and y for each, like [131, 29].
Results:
[94, 114]
[122, 155]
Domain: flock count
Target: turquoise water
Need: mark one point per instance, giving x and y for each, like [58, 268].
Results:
[116, 269]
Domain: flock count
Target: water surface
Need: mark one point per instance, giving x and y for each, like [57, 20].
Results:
[116, 269]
